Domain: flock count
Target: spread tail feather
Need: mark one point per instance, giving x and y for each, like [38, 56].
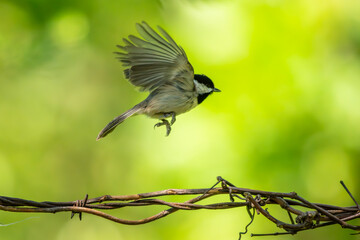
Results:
[119, 119]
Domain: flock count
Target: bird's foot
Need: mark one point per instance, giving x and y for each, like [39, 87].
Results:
[166, 123]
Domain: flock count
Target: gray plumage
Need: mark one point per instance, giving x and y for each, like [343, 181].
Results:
[158, 65]
[119, 119]
[154, 61]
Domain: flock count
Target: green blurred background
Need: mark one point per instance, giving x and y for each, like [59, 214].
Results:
[288, 117]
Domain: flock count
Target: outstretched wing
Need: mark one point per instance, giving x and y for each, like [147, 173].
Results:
[154, 60]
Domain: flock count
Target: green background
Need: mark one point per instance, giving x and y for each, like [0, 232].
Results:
[288, 117]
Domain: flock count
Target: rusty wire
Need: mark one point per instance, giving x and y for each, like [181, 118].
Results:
[316, 214]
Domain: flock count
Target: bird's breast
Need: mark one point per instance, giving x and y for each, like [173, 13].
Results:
[170, 100]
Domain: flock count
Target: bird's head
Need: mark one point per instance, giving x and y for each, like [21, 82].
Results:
[204, 87]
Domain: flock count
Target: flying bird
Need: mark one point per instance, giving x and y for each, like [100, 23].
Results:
[157, 64]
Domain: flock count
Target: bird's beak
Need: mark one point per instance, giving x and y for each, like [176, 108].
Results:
[216, 90]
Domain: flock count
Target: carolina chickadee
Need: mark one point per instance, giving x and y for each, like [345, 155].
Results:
[160, 66]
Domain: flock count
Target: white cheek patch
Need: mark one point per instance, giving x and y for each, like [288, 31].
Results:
[201, 88]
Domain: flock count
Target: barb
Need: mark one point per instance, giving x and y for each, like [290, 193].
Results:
[348, 191]
[317, 214]
[80, 203]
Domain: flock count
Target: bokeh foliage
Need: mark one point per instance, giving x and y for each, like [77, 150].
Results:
[288, 117]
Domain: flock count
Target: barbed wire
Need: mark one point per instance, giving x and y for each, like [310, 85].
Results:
[316, 215]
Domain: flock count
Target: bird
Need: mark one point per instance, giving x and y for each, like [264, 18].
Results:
[157, 64]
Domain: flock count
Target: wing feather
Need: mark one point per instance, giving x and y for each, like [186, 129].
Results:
[149, 34]
[144, 44]
[154, 60]
[167, 36]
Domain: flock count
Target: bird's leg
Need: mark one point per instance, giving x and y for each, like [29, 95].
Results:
[173, 118]
[172, 115]
[166, 123]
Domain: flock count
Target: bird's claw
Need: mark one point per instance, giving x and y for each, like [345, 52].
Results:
[166, 123]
